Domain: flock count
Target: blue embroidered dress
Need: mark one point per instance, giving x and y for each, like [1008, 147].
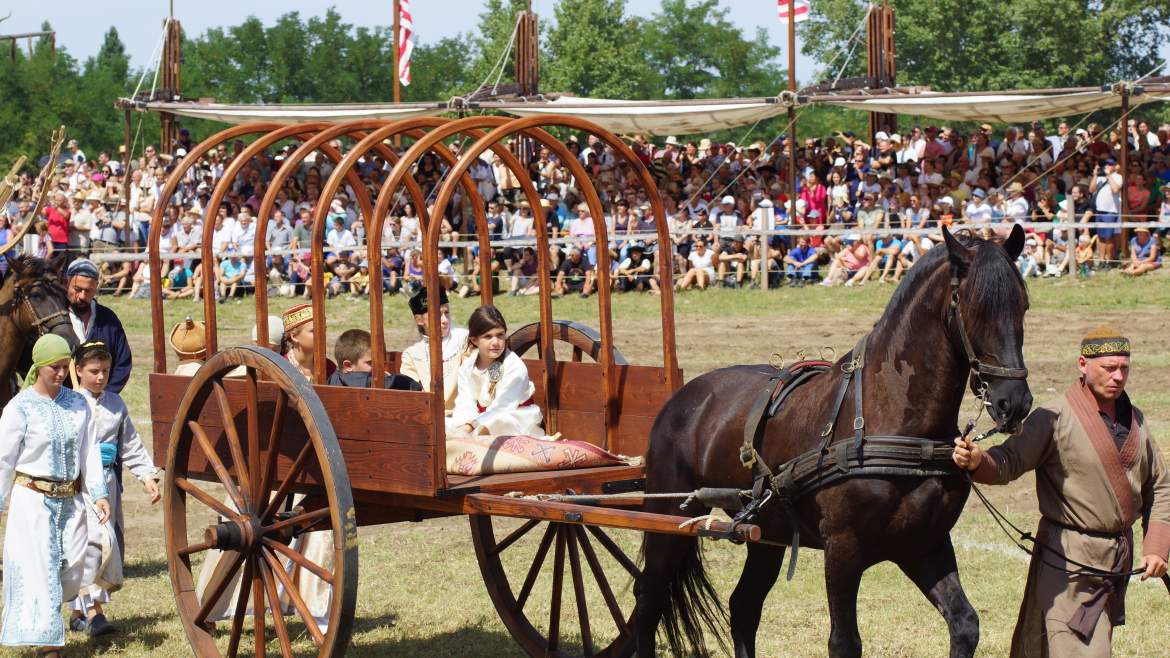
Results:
[45, 538]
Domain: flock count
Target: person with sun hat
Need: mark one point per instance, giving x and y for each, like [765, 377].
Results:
[1098, 471]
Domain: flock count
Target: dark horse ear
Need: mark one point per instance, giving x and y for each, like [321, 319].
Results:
[959, 255]
[1015, 242]
[56, 264]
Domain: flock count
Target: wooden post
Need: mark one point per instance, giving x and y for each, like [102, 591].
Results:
[394, 74]
[126, 179]
[171, 61]
[1123, 128]
[792, 113]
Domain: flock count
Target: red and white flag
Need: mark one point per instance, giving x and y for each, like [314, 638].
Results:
[405, 45]
[800, 9]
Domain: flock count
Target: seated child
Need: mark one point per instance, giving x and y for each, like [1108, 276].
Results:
[494, 393]
[355, 364]
[189, 343]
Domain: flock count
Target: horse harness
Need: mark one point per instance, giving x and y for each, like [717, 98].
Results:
[861, 455]
[46, 324]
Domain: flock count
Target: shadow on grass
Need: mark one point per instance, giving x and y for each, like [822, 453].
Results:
[144, 568]
[473, 640]
[137, 629]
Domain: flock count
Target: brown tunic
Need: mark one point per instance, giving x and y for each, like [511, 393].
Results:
[1090, 493]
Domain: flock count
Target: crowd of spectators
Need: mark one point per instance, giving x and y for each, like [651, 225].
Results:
[869, 211]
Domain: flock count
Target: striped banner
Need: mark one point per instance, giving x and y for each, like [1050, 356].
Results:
[800, 8]
[405, 45]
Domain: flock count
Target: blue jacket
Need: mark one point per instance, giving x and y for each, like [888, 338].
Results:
[108, 329]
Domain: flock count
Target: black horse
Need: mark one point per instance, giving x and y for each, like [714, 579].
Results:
[916, 370]
[32, 303]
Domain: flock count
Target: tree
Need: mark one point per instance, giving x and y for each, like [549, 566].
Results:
[971, 45]
[697, 52]
[440, 70]
[497, 22]
[594, 50]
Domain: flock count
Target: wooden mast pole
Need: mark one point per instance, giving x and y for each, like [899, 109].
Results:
[1123, 128]
[394, 74]
[791, 117]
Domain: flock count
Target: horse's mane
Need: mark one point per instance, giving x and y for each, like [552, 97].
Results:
[995, 285]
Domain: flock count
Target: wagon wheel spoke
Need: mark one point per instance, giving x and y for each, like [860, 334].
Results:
[616, 551]
[207, 499]
[233, 438]
[554, 613]
[293, 472]
[258, 610]
[611, 601]
[294, 595]
[225, 570]
[273, 445]
[198, 547]
[579, 590]
[301, 561]
[515, 536]
[307, 519]
[537, 563]
[252, 391]
[277, 609]
[239, 612]
[221, 471]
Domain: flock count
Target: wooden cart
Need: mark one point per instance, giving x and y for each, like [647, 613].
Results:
[360, 457]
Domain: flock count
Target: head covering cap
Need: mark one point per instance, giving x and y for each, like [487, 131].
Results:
[275, 330]
[48, 350]
[188, 339]
[82, 267]
[418, 301]
[296, 316]
[1104, 341]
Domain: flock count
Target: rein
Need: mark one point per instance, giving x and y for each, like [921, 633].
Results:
[42, 325]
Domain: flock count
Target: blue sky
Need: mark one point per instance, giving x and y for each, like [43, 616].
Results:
[80, 27]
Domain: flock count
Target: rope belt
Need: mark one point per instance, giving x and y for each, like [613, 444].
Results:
[49, 488]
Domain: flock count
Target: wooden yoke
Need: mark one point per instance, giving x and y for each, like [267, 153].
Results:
[153, 248]
[221, 187]
[373, 233]
[319, 142]
[482, 235]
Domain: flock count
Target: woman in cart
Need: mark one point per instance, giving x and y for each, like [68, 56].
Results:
[494, 393]
[48, 459]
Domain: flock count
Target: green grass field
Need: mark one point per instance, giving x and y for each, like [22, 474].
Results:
[420, 591]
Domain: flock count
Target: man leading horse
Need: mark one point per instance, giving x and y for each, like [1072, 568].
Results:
[1098, 471]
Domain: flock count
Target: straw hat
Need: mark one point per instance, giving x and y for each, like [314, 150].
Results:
[188, 339]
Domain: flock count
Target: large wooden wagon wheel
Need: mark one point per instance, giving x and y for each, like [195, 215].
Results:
[264, 439]
[585, 610]
[584, 340]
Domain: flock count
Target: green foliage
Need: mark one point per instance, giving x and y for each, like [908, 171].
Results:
[696, 52]
[594, 49]
[968, 45]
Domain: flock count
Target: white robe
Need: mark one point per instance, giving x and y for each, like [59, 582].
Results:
[416, 363]
[110, 420]
[45, 539]
[504, 408]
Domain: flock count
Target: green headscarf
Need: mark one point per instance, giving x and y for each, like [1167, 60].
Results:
[48, 349]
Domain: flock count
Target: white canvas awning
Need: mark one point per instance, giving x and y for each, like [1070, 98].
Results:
[296, 113]
[653, 117]
[1000, 108]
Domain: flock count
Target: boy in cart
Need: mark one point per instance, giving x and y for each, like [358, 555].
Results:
[120, 446]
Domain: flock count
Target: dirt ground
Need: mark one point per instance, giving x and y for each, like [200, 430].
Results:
[420, 592]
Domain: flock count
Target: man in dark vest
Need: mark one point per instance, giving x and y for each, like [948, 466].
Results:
[92, 321]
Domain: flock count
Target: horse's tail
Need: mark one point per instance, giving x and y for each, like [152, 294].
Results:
[691, 607]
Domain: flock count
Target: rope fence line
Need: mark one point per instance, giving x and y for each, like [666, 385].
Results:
[577, 241]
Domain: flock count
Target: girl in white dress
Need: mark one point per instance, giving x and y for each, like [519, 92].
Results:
[494, 395]
[119, 445]
[48, 458]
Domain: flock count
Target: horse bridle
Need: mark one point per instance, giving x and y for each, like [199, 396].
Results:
[46, 324]
[977, 366]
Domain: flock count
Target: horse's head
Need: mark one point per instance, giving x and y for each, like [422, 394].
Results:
[985, 320]
[36, 298]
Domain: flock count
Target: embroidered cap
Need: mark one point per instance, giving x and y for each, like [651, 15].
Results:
[1104, 341]
[418, 301]
[297, 316]
[188, 339]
